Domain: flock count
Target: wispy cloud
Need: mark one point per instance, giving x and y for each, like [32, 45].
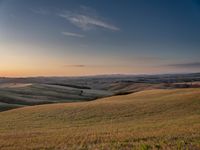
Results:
[86, 20]
[186, 65]
[71, 34]
[75, 66]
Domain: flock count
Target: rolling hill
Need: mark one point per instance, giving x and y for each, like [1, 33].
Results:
[20, 92]
[151, 119]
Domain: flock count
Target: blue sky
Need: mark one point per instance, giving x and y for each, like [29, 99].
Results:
[84, 37]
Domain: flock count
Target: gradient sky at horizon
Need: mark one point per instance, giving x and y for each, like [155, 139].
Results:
[89, 37]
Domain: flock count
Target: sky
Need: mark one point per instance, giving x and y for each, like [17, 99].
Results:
[92, 37]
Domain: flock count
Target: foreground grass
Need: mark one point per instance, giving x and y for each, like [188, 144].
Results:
[154, 119]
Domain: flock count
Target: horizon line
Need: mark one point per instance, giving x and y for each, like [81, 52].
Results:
[82, 76]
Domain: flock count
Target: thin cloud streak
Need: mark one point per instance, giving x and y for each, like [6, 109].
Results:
[71, 34]
[98, 66]
[87, 21]
[186, 65]
[75, 66]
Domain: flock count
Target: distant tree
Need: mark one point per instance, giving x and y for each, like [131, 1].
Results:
[81, 92]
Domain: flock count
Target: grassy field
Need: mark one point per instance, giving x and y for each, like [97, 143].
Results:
[14, 95]
[152, 119]
[20, 92]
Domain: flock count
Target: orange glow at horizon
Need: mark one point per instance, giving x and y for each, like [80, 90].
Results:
[16, 61]
[75, 71]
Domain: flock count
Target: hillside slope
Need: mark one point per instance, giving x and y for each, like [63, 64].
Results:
[153, 119]
[21, 92]
[14, 95]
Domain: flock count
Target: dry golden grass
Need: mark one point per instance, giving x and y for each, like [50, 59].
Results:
[154, 119]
